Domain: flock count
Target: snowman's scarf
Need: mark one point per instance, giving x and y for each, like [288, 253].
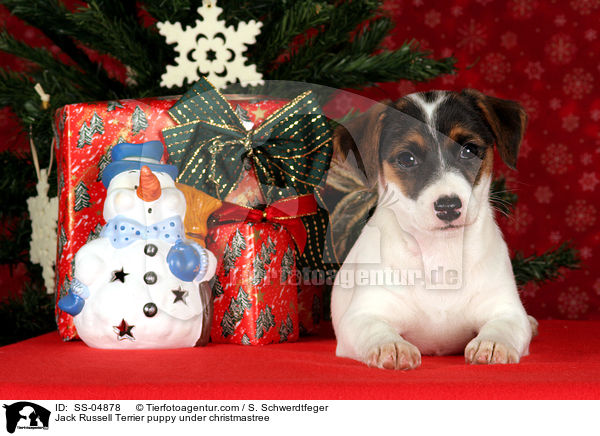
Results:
[122, 231]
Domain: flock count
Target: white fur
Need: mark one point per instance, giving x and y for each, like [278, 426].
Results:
[480, 313]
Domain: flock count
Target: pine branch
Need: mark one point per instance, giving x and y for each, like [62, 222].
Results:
[29, 314]
[347, 71]
[545, 267]
[51, 17]
[141, 49]
[235, 11]
[282, 27]
[332, 38]
[16, 183]
[15, 90]
[370, 36]
[14, 246]
[71, 79]
[171, 10]
[120, 8]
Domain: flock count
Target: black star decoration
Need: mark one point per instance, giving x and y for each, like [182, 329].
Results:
[119, 275]
[123, 331]
[180, 295]
[211, 55]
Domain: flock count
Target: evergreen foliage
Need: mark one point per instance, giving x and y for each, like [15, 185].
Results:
[539, 268]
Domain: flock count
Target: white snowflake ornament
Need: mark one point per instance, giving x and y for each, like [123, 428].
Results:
[43, 212]
[215, 49]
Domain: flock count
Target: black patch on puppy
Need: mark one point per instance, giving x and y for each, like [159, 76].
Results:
[404, 133]
[465, 126]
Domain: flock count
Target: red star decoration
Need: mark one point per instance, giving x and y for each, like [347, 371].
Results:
[123, 331]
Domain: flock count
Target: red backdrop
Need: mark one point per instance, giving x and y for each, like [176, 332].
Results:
[545, 54]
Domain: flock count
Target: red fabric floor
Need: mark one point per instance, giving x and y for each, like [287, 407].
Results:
[564, 364]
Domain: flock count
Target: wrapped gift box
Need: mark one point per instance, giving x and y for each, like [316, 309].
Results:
[252, 162]
[255, 292]
[85, 133]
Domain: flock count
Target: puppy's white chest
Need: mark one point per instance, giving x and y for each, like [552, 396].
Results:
[440, 323]
[440, 332]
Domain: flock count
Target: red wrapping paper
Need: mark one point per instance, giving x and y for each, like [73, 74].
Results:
[256, 291]
[310, 289]
[85, 133]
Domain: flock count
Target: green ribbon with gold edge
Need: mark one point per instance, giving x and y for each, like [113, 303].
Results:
[290, 150]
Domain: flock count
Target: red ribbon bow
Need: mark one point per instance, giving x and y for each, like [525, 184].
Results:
[287, 212]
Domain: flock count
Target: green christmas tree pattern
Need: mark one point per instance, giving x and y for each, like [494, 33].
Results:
[261, 262]
[231, 254]
[264, 322]
[82, 197]
[217, 289]
[287, 264]
[235, 313]
[87, 132]
[286, 328]
[139, 121]
[103, 163]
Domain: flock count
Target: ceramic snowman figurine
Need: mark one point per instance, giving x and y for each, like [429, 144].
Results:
[139, 284]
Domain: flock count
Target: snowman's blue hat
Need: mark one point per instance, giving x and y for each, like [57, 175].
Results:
[129, 157]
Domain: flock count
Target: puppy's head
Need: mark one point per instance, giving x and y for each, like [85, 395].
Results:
[434, 152]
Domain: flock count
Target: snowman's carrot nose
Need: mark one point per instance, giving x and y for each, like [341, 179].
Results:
[149, 187]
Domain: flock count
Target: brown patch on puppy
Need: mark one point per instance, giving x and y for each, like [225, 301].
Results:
[507, 119]
[405, 184]
[487, 165]
[415, 138]
[361, 136]
[459, 133]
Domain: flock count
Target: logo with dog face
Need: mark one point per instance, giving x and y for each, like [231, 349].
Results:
[26, 415]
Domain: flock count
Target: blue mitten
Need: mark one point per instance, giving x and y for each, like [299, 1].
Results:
[187, 261]
[71, 303]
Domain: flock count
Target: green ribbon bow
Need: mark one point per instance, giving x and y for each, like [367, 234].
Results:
[291, 151]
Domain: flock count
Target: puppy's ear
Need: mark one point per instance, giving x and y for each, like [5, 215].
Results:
[506, 118]
[362, 135]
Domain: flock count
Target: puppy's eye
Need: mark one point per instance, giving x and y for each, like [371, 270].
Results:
[469, 151]
[406, 160]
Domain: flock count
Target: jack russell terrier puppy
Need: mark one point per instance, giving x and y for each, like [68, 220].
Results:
[430, 272]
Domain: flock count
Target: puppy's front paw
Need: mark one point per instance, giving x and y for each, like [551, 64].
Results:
[534, 326]
[395, 355]
[483, 352]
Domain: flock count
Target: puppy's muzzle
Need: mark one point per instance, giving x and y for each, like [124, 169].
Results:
[447, 208]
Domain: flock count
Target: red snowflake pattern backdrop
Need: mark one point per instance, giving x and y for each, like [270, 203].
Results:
[546, 54]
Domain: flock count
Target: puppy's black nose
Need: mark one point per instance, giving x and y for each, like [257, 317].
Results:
[447, 208]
